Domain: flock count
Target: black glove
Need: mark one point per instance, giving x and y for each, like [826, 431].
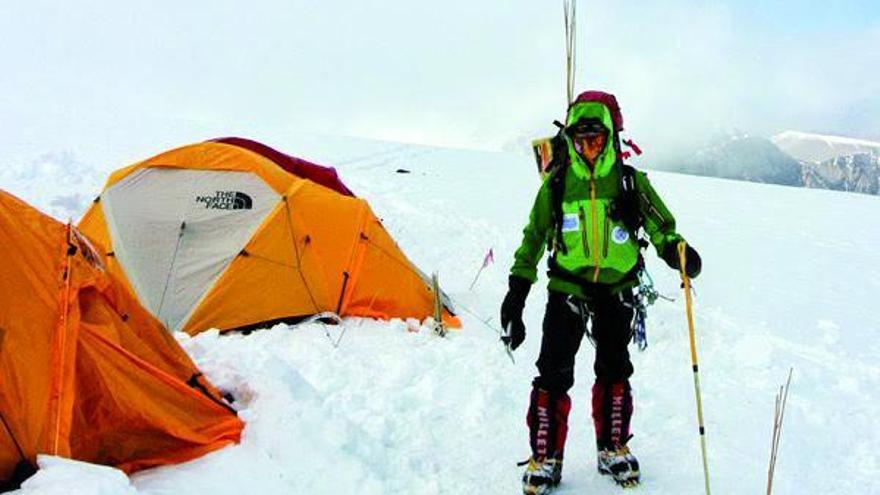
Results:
[692, 259]
[511, 311]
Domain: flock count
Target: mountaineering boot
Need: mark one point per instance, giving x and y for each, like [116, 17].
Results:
[620, 464]
[548, 428]
[541, 476]
[612, 413]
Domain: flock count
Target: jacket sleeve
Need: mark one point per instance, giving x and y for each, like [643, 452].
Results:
[535, 237]
[659, 223]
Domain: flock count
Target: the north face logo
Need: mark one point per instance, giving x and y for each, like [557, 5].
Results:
[226, 200]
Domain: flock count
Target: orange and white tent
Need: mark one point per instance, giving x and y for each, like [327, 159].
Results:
[85, 371]
[214, 235]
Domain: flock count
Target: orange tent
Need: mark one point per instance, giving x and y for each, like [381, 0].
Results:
[85, 371]
[214, 235]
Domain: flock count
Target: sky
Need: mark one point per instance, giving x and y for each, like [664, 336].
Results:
[481, 75]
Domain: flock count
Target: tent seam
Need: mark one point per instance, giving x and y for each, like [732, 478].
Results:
[356, 259]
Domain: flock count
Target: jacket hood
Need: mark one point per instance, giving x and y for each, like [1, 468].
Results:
[606, 160]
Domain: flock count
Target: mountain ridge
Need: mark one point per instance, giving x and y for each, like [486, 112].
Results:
[790, 158]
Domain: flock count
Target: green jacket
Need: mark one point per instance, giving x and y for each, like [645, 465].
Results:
[598, 249]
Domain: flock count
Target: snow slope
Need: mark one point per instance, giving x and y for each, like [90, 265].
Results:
[790, 279]
[817, 148]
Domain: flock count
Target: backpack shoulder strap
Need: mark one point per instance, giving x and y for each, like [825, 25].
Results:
[557, 188]
[628, 177]
[629, 198]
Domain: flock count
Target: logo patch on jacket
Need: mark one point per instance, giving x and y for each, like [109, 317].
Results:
[570, 222]
[619, 235]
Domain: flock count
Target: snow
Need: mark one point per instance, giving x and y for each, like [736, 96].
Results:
[58, 476]
[817, 148]
[831, 140]
[790, 280]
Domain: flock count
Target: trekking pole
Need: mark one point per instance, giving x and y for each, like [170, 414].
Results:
[686, 282]
[570, 11]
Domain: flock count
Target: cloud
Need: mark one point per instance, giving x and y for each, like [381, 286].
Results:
[454, 73]
[684, 71]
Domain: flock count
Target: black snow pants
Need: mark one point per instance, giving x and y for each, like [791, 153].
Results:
[609, 319]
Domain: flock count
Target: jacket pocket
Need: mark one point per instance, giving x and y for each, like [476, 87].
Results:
[607, 235]
[584, 236]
